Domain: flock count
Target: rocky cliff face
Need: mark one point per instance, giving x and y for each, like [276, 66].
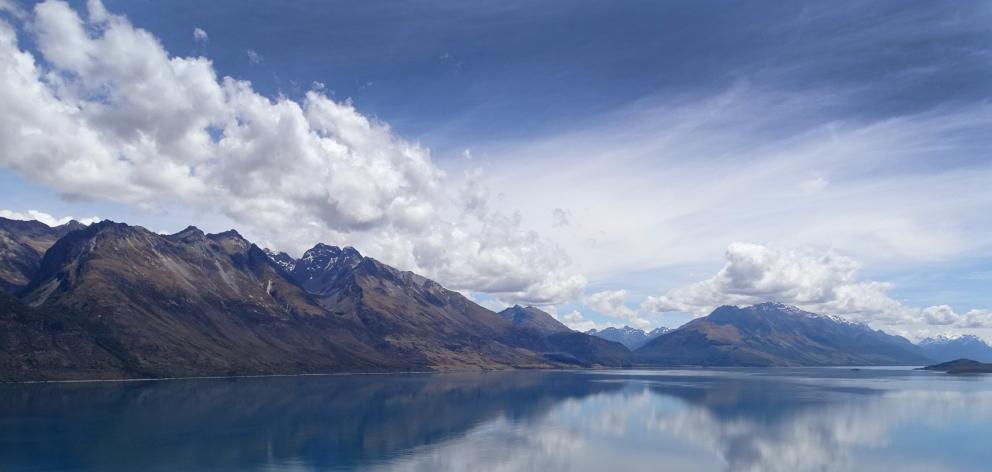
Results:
[22, 245]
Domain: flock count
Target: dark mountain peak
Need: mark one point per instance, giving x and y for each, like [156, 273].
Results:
[189, 235]
[323, 256]
[323, 266]
[229, 235]
[189, 230]
[72, 225]
[112, 229]
[231, 241]
[534, 319]
[283, 260]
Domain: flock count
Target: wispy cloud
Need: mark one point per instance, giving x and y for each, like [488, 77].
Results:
[253, 56]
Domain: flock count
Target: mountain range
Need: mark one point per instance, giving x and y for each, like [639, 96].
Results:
[111, 300]
[192, 304]
[945, 349]
[772, 334]
[633, 338]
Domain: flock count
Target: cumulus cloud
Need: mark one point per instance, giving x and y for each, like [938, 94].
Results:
[199, 35]
[822, 282]
[105, 112]
[576, 321]
[45, 217]
[940, 315]
[755, 273]
[613, 303]
[944, 315]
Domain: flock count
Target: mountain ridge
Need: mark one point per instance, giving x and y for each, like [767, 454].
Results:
[138, 303]
[946, 349]
[190, 304]
[633, 338]
[772, 334]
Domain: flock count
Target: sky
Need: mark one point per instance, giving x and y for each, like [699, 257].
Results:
[615, 163]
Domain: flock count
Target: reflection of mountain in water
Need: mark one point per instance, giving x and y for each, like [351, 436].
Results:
[803, 419]
[740, 421]
[335, 420]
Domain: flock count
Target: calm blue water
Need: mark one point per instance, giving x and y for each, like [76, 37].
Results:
[732, 419]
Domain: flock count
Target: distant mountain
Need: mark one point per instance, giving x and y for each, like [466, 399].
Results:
[633, 338]
[533, 319]
[943, 348]
[771, 334]
[22, 245]
[191, 304]
[558, 342]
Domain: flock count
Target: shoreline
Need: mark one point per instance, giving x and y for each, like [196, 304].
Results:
[906, 368]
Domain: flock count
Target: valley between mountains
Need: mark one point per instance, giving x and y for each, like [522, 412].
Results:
[111, 300]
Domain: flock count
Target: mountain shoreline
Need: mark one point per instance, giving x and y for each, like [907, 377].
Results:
[457, 371]
[111, 301]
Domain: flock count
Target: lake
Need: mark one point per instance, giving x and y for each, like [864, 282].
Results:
[704, 419]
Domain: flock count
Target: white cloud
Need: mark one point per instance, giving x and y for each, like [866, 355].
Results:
[199, 35]
[668, 182]
[943, 315]
[45, 217]
[755, 273]
[561, 217]
[822, 282]
[940, 315]
[493, 305]
[613, 303]
[109, 114]
[253, 57]
[577, 322]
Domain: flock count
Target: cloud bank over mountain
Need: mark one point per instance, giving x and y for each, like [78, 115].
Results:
[824, 282]
[847, 144]
[103, 111]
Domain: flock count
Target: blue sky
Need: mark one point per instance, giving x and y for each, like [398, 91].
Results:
[618, 150]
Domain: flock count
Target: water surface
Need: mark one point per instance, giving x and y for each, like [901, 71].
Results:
[712, 419]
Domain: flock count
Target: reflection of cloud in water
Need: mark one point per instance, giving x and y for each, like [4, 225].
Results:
[744, 425]
[812, 419]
